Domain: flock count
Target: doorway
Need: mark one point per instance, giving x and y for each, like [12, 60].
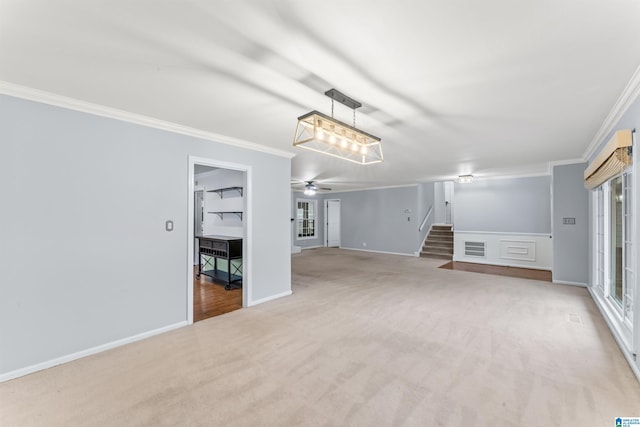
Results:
[443, 202]
[332, 230]
[218, 278]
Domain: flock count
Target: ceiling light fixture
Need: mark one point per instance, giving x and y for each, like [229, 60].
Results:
[310, 189]
[319, 132]
[465, 179]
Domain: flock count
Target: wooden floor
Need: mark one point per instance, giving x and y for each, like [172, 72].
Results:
[211, 299]
[498, 270]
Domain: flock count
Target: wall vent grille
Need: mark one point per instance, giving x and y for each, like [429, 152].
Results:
[474, 249]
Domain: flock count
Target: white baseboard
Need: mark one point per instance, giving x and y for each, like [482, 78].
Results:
[616, 335]
[311, 247]
[565, 282]
[377, 252]
[88, 352]
[501, 264]
[270, 298]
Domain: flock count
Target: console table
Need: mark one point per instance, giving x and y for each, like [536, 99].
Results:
[225, 247]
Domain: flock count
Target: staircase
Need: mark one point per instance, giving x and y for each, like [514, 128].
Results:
[439, 243]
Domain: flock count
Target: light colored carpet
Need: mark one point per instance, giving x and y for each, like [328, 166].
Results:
[366, 340]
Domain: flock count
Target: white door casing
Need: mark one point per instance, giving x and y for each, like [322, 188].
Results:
[247, 224]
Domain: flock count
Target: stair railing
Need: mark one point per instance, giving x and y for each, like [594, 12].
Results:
[426, 217]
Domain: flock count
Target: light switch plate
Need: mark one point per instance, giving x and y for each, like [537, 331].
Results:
[168, 225]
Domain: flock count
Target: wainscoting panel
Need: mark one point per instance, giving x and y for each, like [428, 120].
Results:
[521, 250]
[516, 250]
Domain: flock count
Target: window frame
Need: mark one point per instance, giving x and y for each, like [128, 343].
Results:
[602, 194]
[300, 221]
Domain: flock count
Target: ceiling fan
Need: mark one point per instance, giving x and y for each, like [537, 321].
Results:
[310, 188]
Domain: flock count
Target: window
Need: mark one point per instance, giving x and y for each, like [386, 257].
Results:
[306, 219]
[627, 252]
[615, 234]
[620, 289]
[600, 236]
[613, 253]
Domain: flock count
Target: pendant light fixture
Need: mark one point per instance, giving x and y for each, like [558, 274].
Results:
[327, 135]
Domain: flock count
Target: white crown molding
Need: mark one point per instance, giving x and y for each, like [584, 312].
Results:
[515, 176]
[351, 190]
[564, 162]
[11, 89]
[628, 96]
[544, 171]
[371, 188]
[567, 162]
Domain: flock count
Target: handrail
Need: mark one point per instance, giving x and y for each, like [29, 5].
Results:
[426, 217]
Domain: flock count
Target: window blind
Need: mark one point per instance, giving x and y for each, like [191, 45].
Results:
[612, 160]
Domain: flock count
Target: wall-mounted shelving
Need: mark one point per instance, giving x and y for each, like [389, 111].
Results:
[227, 206]
[222, 214]
[221, 191]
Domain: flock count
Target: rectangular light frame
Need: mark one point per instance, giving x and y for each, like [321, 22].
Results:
[465, 179]
[324, 134]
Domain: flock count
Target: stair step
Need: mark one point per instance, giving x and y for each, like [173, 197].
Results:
[433, 242]
[437, 250]
[441, 233]
[424, 254]
[441, 227]
[439, 243]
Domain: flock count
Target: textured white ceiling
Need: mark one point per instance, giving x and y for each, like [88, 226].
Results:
[497, 87]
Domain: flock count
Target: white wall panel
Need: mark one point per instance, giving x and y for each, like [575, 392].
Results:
[516, 250]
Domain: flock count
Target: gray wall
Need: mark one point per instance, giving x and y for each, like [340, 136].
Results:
[84, 258]
[514, 205]
[376, 219]
[570, 242]
[319, 240]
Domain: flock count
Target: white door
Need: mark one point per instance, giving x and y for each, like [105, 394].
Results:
[332, 212]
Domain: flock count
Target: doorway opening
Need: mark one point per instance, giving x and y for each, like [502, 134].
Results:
[218, 274]
[443, 203]
[332, 222]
